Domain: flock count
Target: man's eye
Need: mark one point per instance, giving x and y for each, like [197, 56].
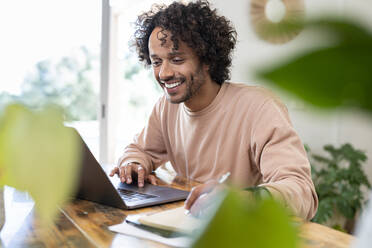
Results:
[177, 60]
[155, 63]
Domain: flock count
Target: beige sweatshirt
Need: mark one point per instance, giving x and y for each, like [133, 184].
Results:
[245, 131]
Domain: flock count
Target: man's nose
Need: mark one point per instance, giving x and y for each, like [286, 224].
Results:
[165, 72]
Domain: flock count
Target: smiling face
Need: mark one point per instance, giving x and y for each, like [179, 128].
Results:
[179, 72]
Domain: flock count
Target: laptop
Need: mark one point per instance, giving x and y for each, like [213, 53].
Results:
[95, 185]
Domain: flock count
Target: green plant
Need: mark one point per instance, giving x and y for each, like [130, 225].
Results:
[339, 179]
[239, 222]
[39, 155]
[336, 75]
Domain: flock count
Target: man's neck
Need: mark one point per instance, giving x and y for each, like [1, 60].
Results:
[204, 97]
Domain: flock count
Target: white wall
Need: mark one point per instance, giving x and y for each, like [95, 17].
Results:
[315, 129]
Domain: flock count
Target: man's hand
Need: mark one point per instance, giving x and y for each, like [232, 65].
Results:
[202, 196]
[125, 173]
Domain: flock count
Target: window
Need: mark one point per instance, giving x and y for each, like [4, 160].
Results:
[50, 54]
[132, 90]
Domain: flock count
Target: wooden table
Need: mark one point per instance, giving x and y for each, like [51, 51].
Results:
[84, 224]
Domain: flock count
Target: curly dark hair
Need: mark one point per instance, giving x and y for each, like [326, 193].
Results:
[211, 36]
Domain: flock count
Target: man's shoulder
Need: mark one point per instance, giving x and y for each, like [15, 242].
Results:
[256, 101]
[251, 93]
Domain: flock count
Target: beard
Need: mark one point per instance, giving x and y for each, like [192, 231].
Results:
[193, 85]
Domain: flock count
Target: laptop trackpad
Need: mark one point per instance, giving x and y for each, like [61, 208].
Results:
[147, 189]
[148, 195]
[158, 191]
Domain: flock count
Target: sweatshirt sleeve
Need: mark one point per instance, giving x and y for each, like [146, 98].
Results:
[148, 147]
[282, 160]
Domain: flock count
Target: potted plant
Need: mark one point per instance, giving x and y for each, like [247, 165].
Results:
[339, 181]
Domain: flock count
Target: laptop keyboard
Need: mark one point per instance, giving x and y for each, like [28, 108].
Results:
[130, 196]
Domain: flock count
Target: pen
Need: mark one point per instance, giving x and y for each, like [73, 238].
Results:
[222, 179]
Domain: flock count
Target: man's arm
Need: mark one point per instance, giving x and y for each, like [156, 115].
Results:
[145, 153]
[282, 160]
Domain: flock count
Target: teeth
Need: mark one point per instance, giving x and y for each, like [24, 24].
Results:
[169, 86]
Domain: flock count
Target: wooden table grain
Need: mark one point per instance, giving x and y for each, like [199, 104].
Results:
[85, 224]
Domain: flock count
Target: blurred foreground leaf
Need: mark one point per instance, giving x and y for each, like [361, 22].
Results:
[337, 75]
[39, 155]
[239, 223]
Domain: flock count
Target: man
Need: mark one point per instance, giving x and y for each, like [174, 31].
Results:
[206, 126]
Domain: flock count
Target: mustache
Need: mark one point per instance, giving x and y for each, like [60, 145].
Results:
[181, 79]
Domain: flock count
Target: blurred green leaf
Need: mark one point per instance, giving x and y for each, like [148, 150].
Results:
[39, 155]
[337, 75]
[238, 223]
[344, 31]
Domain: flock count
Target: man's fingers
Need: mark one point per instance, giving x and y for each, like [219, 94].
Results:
[152, 179]
[197, 191]
[122, 174]
[209, 186]
[194, 194]
[128, 174]
[115, 171]
[141, 176]
[199, 205]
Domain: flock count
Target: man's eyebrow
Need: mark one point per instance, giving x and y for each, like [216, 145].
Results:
[172, 54]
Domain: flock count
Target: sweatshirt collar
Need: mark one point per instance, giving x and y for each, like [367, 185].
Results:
[211, 106]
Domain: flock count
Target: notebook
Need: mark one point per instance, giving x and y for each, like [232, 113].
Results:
[174, 220]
